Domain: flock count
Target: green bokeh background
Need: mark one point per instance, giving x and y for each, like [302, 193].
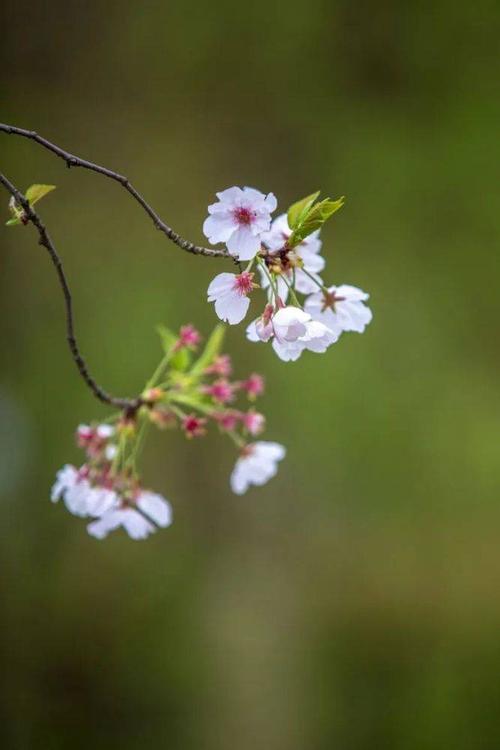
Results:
[353, 602]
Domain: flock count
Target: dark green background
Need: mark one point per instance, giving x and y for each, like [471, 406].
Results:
[354, 602]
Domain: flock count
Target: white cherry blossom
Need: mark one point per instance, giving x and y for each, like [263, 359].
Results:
[292, 331]
[238, 219]
[230, 292]
[341, 309]
[257, 464]
[137, 526]
[80, 497]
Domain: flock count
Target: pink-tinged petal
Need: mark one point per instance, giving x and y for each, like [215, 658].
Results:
[232, 307]
[219, 227]
[243, 243]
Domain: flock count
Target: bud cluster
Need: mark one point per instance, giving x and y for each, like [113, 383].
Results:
[186, 392]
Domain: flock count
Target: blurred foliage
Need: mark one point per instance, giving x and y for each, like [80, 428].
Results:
[352, 603]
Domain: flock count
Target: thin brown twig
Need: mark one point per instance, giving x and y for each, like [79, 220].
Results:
[130, 405]
[75, 161]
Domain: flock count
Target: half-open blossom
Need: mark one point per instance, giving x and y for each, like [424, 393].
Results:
[239, 218]
[189, 337]
[230, 293]
[257, 464]
[342, 308]
[289, 323]
[80, 497]
[294, 331]
[253, 422]
[152, 511]
[253, 385]
[193, 426]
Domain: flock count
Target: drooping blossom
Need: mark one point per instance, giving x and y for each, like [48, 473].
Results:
[293, 331]
[79, 496]
[257, 464]
[152, 511]
[230, 293]
[341, 309]
[239, 218]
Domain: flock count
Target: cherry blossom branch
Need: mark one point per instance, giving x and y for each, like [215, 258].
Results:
[129, 405]
[75, 161]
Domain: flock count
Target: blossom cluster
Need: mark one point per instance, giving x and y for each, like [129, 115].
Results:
[286, 253]
[186, 392]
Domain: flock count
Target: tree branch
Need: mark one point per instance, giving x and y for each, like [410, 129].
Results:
[128, 404]
[75, 161]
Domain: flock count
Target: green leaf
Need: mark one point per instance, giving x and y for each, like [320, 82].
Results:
[168, 338]
[181, 359]
[211, 350]
[314, 219]
[36, 192]
[299, 209]
[12, 222]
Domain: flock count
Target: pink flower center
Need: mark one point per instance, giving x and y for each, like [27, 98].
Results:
[243, 215]
[243, 283]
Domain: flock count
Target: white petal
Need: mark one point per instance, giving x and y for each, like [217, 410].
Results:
[243, 243]
[352, 293]
[252, 332]
[238, 479]
[136, 526]
[219, 227]
[232, 307]
[222, 284]
[271, 202]
[288, 351]
[271, 450]
[156, 508]
[230, 196]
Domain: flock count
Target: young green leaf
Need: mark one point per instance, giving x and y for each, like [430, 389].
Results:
[168, 338]
[35, 192]
[298, 210]
[211, 350]
[180, 360]
[314, 219]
